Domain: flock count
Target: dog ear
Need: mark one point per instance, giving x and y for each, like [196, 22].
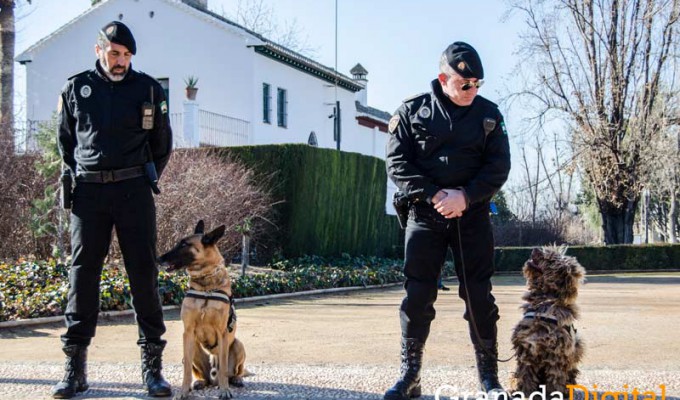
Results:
[213, 236]
[200, 228]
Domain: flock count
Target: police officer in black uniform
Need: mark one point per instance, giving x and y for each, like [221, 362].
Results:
[113, 123]
[448, 153]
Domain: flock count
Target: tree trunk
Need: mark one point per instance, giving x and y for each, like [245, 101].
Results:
[617, 224]
[245, 253]
[7, 38]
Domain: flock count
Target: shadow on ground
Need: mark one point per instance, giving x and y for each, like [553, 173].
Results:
[280, 391]
[253, 390]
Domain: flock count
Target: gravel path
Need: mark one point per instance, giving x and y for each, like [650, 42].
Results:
[318, 382]
[346, 346]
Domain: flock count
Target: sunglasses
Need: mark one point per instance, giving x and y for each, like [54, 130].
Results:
[469, 85]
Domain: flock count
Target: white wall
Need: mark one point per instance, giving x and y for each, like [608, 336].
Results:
[230, 73]
[310, 102]
[221, 60]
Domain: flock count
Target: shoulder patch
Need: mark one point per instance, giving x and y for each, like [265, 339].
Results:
[394, 122]
[164, 107]
[505, 130]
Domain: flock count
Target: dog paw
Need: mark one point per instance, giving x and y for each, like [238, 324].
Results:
[181, 396]
[226, 394]
[236, 381]
[198, 385]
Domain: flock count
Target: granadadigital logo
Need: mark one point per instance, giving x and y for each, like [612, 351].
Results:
[452, 393]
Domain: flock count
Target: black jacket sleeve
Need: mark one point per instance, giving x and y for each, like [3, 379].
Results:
[495, 168]
[160, 139]
[66, 133]
[400, 157]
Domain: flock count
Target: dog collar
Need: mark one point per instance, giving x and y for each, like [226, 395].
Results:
[213, 295]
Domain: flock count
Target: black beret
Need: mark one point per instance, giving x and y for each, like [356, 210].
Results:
[464, 59]
[117, 32]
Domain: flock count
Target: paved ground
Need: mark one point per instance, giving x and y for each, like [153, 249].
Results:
[345, 346]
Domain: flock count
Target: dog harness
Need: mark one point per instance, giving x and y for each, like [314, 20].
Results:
[217, 295]
[547, 318]
[539, 316]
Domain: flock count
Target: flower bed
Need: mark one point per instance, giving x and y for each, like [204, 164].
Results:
[31, 289]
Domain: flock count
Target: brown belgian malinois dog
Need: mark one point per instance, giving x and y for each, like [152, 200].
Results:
[212, 354]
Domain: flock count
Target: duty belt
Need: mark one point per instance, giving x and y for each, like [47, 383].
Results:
[109, 176]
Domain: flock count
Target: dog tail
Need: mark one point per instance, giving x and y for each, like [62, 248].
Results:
[246, 373]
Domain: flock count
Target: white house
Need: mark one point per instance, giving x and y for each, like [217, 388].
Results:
[251, 90]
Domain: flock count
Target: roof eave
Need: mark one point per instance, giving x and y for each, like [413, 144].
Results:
[207, 15]
[303, 64]
[27, 55]
[24, 57]
[372, 118]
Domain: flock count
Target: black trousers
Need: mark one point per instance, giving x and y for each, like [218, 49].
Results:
[128, 206]
[428, 238]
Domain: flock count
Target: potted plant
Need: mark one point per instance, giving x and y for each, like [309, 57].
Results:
[191, 88]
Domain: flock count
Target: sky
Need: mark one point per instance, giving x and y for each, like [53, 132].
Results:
[399, 42]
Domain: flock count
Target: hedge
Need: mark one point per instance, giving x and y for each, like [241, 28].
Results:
[601, 258]
[333, 201]
[31, 289]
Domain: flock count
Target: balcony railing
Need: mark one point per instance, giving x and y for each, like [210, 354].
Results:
[213, 130]
[220, 130]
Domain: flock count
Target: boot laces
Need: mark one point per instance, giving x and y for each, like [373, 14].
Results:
[411, 356]
[153, 364]
[152, 360]
[71, 370]
[487, 363]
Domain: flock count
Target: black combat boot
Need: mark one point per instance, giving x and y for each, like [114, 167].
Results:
[151, 370]
[408, 385]
[75, 375]
[487, 366]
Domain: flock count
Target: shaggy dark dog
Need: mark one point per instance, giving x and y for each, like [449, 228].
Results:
[546, 343]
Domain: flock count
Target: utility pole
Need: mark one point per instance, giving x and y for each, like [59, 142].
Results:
[336, 111]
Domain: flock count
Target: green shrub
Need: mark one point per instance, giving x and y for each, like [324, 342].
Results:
[601, 258]
[331, 202]
[30, 289]
[39, 289]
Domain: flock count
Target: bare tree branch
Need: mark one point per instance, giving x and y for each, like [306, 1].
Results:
[601, 65]
[259, 17]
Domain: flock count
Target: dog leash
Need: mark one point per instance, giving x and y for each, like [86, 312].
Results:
[468, 303]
